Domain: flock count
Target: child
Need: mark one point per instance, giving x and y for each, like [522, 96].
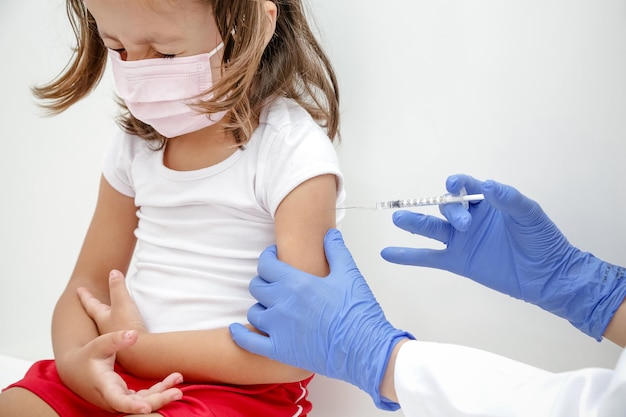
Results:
[221, 154]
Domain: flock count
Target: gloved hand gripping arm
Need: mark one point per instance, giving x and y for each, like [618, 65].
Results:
[508, 243]
[332, 326]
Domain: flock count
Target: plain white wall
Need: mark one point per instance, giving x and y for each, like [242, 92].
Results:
[532, 93]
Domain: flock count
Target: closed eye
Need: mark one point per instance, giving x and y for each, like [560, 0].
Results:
[122, 52]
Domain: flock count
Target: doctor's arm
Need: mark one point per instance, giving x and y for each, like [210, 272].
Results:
[335, 327]
[433, 379]
[509, 244]
[461, 378]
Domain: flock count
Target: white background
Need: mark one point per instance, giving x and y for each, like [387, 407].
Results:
[531, 93]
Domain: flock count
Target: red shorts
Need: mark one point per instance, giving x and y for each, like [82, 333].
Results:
[275, 400]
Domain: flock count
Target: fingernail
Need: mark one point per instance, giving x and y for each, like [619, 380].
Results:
[114, 274]
[129, 334]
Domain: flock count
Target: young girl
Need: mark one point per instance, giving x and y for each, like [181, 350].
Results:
[222, 152]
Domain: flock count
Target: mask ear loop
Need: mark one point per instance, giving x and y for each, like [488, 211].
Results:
[216, 49]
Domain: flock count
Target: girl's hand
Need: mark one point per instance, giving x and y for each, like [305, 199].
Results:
[98, 383]
[122, 314]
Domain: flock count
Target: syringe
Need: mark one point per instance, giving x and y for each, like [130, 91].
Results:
[429, 201]
[462, 198]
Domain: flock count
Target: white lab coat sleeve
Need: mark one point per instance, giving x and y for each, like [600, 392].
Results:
[434, 379]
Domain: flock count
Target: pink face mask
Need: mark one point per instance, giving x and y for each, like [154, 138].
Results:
[159, 91]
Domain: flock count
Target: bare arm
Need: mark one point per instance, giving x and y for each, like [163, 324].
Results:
[301, 221]
[84, 363]
[387, 385]
[108, 245]
[616, 330]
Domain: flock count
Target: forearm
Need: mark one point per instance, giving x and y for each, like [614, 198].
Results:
[616, 330]
[602, 296]
[206, 356]
[387, 385]
[72, 328]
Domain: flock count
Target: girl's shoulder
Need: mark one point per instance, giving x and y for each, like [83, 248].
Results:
[290, 148]
[283, 113]
[285, 125]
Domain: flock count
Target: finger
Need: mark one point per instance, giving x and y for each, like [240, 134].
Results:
[337, 254]
[255, 316]
[251, 341]
[421, 224]
[111, 343]
[430, 258]
[117, 289]
[160, 399]
[458, 216]
[510, 200]
[93, 307]
[263, 291]
[454, 184]
[119, 397]
[270, 268]
[163, 392]
[169, 382]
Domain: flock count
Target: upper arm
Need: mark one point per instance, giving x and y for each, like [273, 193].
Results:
[109, 242]
[301, 221]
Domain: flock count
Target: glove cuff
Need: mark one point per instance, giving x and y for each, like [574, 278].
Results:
[605, 289]
[381, 359]
[589, 293]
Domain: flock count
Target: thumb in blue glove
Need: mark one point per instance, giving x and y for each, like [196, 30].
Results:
[509, 244]
[332, 326]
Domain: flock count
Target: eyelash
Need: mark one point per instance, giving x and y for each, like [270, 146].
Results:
[164, 56]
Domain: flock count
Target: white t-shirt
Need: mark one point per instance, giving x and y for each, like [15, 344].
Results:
[200, 232]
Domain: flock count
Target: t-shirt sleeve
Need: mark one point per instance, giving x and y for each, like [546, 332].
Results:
[296, 154]
[117, 164]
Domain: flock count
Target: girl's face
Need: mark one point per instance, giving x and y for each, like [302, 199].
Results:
[144, 29]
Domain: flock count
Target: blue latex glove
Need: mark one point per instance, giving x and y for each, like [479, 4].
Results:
[507, 243]
[332, 326]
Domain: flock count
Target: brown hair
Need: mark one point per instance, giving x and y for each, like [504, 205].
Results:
[292, 65]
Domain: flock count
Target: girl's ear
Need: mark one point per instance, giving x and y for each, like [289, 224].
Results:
[271, 12]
